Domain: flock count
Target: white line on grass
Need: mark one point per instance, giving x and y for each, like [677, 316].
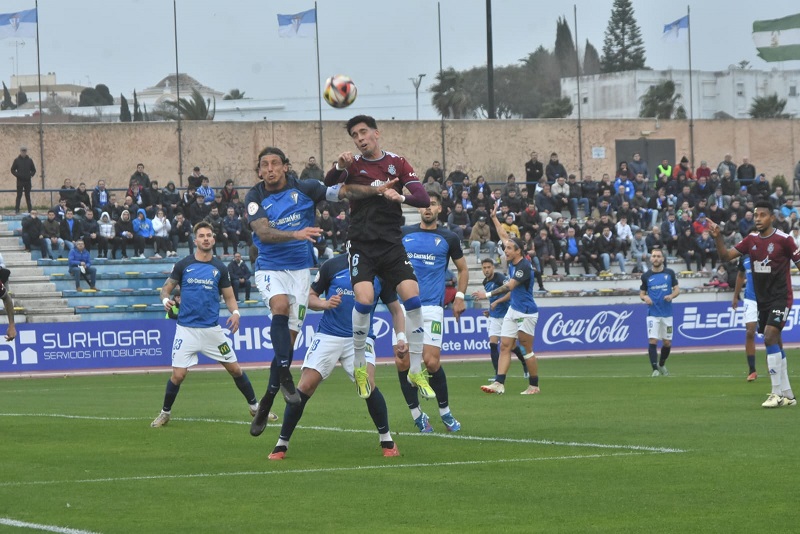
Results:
[320, 470]
[459, 437]
[47, 528]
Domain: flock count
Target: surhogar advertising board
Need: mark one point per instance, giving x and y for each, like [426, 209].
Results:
[561, 330]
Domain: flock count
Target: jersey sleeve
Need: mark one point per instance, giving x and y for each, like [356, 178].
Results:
[523, 272]
[255, 210]
[743, 245]
[456, 253]
[177, 270]
[224, 277]
[793, 250]
[322, 281]
[643, 287]
[407, 173]
[317, 191]
[672, 278]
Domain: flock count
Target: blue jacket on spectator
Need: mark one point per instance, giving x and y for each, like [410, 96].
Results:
[142, 225]
[207, 193]
[75, 258]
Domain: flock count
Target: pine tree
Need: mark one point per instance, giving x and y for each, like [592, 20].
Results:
[137, 113]
[623, 47]
[591, 60]
[124, 109]
[565, 49]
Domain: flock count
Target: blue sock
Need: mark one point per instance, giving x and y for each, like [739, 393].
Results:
[521, 357]
[664, 355]
[409, 391]
[376, 405]
[494, 353]
[292, 415]
[751, 362]
[652, 351]
[169, 396]
[533, 380]
[274, 383]
[244, 385]
[438, 382]
[500, 378]
[281, 339]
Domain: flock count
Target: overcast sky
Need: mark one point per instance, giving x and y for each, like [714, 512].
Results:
[129, 44]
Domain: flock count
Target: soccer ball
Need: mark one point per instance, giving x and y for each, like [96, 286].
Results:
[340, 91]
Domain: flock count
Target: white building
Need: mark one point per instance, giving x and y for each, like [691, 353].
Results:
[720, 94]
[391, 105]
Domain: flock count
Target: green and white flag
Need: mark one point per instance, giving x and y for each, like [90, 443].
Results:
[778, 39]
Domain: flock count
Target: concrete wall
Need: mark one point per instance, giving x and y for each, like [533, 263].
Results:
[88, 152]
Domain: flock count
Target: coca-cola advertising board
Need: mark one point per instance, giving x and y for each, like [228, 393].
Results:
[560, 330]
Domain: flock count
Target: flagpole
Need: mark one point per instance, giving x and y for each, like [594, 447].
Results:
[178, 91]
[39, 77]
[319, 86]
[691, 93]
[439, 15]
[578, 80]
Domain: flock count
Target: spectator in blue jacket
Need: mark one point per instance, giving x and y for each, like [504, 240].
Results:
[232, 231]
[80, 265]
[142, 233]
[206, 191]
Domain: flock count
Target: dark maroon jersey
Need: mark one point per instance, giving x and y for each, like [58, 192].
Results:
[771, 258]
[375, 218]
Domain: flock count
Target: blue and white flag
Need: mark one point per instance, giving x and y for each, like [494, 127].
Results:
[302, 24]
[18, 25]
[677, 30]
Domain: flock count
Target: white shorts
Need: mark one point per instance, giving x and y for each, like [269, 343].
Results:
[210, 341]
[325, 350]
[750, 311]
[515, 322]
[293, 284]
[659, 328]
[432, 324]
[495, 326]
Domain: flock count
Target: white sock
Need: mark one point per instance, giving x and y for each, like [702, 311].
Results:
[774, 366]
[282, 443]
[414, 334]
[444, 411]
[786, 388]
[386, 437]
[360, 331]
[415, 412]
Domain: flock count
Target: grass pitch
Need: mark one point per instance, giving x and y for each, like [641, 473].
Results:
[604, 448]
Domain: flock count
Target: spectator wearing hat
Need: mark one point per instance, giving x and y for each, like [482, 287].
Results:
[24, 170]
[683, 168]
[759, 188]
[701, 224]
[480, 240]
[743, 196]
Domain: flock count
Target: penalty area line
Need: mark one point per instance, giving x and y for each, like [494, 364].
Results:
[46, 528]
[318, 470]
[457, 437]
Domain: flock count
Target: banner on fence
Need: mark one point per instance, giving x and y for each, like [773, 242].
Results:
[560, 330]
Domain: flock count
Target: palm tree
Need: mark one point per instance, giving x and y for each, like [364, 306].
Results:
[659, 101]
[450, 97]
[768, 107]
[191, 109]
[234, 94]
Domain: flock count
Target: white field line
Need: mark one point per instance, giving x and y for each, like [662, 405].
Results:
[47, 528]
[319, 470]
[457, 437]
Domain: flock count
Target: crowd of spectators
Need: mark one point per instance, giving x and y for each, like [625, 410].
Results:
[566, 221]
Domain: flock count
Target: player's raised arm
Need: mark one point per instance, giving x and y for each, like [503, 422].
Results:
[268, 234]
[357, 192]
[725, 254]
[501, 233]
